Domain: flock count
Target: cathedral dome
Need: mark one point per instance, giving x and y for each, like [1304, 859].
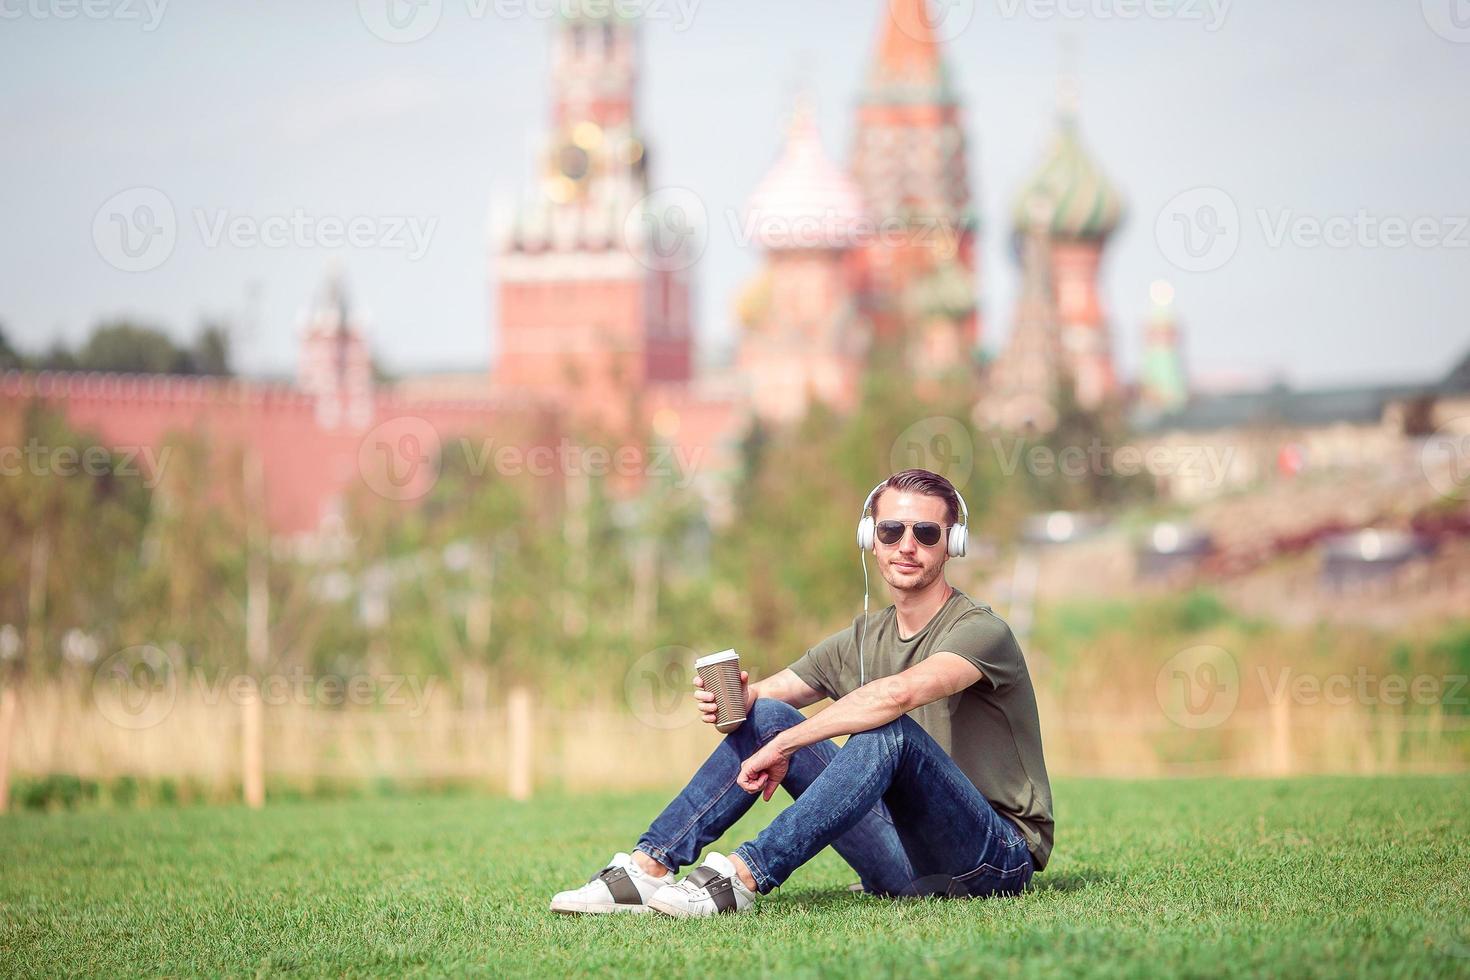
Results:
[1071, 190]
[805, 200]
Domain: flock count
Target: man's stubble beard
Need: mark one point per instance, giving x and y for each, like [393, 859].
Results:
[931, 574]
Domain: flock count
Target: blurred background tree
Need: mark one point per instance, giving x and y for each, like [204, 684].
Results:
[509, 575]
[10, 359]
[123, 346]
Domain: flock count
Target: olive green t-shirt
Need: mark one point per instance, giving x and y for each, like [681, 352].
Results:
[990, 729]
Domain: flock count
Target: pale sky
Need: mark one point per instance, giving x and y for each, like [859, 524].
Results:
[1348, 118]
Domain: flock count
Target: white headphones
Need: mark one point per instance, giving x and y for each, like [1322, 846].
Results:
[957, 538]
[955, 545]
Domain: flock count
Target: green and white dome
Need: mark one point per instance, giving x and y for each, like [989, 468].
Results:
[1069, 191]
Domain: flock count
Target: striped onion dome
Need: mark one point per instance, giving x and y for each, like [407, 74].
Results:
[1069, 187]
[805, 200]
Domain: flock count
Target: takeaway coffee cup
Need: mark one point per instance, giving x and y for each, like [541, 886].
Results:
[721, 675]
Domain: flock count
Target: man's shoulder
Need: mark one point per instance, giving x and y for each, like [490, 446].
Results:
[970, 609]
[982, 637]
[978, 623]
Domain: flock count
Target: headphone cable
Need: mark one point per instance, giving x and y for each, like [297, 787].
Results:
[862, 675]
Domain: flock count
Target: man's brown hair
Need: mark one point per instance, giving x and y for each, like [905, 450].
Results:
[925, 482]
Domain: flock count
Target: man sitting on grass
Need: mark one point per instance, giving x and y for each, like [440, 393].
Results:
[941, 788]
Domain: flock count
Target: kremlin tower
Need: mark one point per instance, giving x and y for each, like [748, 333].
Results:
[594, 297]
[1162, 386]
[1022, 384]
[802, 338]
[909, 160]
[1080, 210]
[335, 366]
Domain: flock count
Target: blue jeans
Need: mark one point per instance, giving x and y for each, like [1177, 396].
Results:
[890, 801]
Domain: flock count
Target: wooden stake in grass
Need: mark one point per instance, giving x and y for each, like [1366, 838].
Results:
[257, 634]
[8, 704]
[518, 717]
[1281, 754]
[35, 634]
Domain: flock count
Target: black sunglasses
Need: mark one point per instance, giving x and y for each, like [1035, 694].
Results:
[927, 533]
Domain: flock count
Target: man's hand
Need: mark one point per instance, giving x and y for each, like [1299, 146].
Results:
[764, 770]
[706, 699]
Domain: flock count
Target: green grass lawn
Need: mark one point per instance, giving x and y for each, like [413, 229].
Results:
[1305, 877]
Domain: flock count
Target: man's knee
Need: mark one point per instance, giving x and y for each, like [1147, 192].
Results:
[887, 737]
[768, 715]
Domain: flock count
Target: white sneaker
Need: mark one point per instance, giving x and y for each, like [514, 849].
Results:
[622, 886]
[711, 888]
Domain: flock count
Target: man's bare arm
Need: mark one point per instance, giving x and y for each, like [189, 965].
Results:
[879, 702]
[785, 686]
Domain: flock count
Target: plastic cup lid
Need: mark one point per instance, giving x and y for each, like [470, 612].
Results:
[716, 658]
